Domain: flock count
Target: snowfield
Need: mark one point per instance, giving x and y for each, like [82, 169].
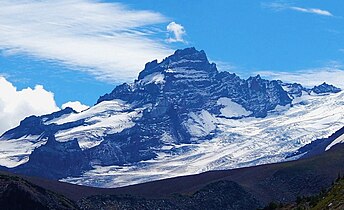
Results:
[105, 118]
[232, 109]
[16, 152]
[237, 143]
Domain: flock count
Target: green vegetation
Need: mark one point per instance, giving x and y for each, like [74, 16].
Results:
[334, 198]
[331, 199]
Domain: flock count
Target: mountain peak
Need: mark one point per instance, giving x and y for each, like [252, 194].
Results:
[325, 88]
[190, 54]
[188, 57]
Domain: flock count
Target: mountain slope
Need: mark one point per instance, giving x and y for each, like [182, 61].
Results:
[220, 195]
[334, 199]
[19, 194]
[281, 182]
[245, 188]
[331, 199]
[181, 116]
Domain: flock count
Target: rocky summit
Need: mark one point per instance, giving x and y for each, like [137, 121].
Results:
[186, 82]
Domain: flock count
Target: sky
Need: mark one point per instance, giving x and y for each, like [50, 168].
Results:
[55, 54]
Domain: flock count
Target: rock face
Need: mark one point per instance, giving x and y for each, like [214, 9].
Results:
[176, 102]
[56, 160]
[325, 88]
[295, 89]
[181, 84]
[186, 81]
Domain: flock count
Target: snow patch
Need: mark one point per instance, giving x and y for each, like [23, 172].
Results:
[107, 117]
[15, 152]
[338, 140]
[200, 124]
[232, 109]
[102, 108]
[90, 134]
[280, 108]
[156, 78]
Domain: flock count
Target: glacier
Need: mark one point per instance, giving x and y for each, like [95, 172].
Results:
[238, 143]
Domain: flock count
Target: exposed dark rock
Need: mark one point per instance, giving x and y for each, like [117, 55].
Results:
[325, 88]
[192, 83]
[56, 160]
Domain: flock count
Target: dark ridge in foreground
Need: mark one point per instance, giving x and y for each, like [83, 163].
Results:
[17, 193]
[217, 195]
[245, 188]
[331, 199]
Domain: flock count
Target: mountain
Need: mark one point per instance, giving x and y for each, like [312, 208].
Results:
[244, 188]
[181, 116]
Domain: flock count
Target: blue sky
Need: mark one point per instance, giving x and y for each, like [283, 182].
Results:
[81, 49]
[257, 35]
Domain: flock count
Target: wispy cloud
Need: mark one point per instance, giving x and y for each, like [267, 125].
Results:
[108, 40]
[309, 77]
[312, 10]
[177, 32]
[282, 6]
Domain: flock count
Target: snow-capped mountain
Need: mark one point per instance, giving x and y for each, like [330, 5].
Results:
[181, 116]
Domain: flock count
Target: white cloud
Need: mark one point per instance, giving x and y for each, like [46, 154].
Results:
[281, 6]
[310, 77]
[177, 32]
[15, 104]
[76, 105]
[312, 10]
[108, 40]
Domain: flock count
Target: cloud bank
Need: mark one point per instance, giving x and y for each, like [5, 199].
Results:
[108, 40]
[15, 104]
[309, 78]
